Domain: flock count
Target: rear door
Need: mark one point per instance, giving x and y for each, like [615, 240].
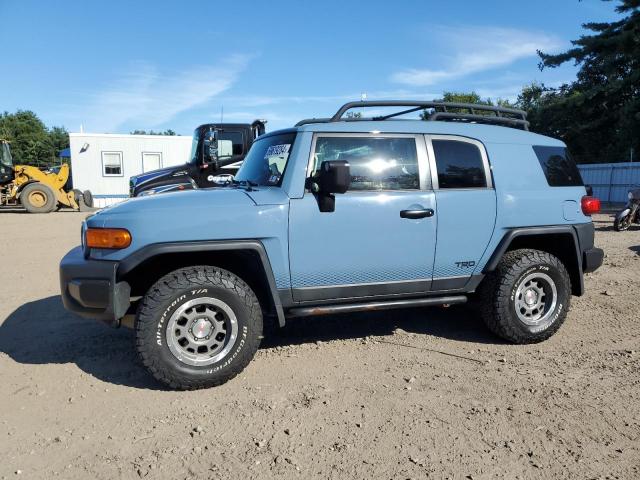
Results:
[367, 246]
[466, 199]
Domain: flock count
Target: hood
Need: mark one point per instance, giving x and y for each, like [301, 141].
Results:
[186, 202]
[138, 180]
[188, 216]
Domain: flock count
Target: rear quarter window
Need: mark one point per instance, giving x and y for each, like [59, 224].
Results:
[558, 166]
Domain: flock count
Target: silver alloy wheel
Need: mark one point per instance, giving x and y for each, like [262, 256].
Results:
[535, 299]
[202, 331]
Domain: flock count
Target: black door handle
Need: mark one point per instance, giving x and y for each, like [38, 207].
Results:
[413, 214]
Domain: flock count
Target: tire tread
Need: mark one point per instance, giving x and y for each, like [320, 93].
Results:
[164, 290]
[496, 290]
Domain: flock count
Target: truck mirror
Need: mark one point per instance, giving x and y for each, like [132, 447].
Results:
[333, 177]
[210, 150]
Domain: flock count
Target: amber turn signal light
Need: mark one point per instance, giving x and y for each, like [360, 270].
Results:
[114, 238]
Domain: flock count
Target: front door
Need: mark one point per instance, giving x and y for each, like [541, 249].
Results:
[380, 240]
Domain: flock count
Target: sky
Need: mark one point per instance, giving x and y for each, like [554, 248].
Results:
[117, 66]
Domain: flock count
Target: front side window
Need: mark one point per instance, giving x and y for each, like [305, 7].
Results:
[112, 164]
[5, 155]
[267, 159]
[195, 141]
[376, 163]
[558, 166]
[459, 164]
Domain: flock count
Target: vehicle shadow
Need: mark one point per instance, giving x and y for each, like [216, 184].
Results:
[459, 323]
[43, 332]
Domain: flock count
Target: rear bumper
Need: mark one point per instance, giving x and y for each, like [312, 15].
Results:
[591, 256]
[592, 259]
[90, 288]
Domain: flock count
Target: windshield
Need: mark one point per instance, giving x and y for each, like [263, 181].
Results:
[5, 155]
[267, 159]
[193, 157]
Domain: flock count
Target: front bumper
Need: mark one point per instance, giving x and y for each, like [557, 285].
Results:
[90, 288]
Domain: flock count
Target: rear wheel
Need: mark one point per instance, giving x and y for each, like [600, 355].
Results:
[38, 198]
[526, 299]
[198, 327]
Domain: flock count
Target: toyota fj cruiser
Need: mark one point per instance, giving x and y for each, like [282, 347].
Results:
[340, 215]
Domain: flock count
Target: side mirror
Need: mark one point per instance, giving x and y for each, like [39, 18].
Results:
[210, 150]
[333, 177]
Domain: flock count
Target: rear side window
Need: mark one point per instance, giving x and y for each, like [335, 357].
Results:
[230, 144]
[558, 166]
[376, 163]
[459, 164]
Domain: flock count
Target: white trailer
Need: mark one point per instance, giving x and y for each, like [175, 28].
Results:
[103, 162]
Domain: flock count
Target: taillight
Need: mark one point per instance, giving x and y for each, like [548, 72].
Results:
[590, 205]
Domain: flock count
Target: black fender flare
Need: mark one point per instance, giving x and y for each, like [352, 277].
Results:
[508, 238]
[155, 249]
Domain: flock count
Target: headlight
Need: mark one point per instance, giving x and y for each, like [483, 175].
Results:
[630, 196]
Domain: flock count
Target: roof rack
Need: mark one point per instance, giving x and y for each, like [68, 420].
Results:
[447, 111]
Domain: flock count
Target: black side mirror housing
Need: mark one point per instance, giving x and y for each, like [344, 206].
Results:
[333, 177]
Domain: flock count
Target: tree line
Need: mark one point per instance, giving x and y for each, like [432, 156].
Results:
[597, 115]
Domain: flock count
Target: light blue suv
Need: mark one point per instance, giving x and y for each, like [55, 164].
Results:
[341, 215]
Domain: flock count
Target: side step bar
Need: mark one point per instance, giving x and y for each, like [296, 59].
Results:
[372, 306]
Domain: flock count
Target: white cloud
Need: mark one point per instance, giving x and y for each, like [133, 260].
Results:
[147, 97]
[477, 49]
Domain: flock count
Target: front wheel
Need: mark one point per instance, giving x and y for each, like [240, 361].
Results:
[38, 198]
[526, 299]
[198, 327]
[622, 221]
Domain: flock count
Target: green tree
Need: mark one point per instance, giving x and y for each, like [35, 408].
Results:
[31, 142]
[598, 114]
[168, 131]
[466, 97]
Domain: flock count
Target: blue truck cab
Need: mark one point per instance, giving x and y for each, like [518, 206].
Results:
[341, 215]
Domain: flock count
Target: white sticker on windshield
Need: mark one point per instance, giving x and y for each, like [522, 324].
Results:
[277, 150]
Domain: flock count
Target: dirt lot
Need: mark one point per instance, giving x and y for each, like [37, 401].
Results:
[409, 394]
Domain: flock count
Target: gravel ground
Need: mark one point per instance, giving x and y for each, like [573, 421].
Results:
[407, 394]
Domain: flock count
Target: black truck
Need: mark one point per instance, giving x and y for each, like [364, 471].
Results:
[216, 154]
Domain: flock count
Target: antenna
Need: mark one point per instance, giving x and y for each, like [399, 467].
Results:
[221, 113]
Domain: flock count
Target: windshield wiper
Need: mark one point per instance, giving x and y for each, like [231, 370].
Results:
[245, 183]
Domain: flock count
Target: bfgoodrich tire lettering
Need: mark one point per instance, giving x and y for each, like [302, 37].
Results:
[526, 299]
[173, 356]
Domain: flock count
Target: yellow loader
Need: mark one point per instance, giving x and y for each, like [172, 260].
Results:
[35, 190]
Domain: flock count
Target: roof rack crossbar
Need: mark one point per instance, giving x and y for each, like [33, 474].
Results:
[397, 114]
[501, 115]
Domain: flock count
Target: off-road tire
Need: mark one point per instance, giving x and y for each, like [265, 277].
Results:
[42, 191]
[497, 295]
[174, 290]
